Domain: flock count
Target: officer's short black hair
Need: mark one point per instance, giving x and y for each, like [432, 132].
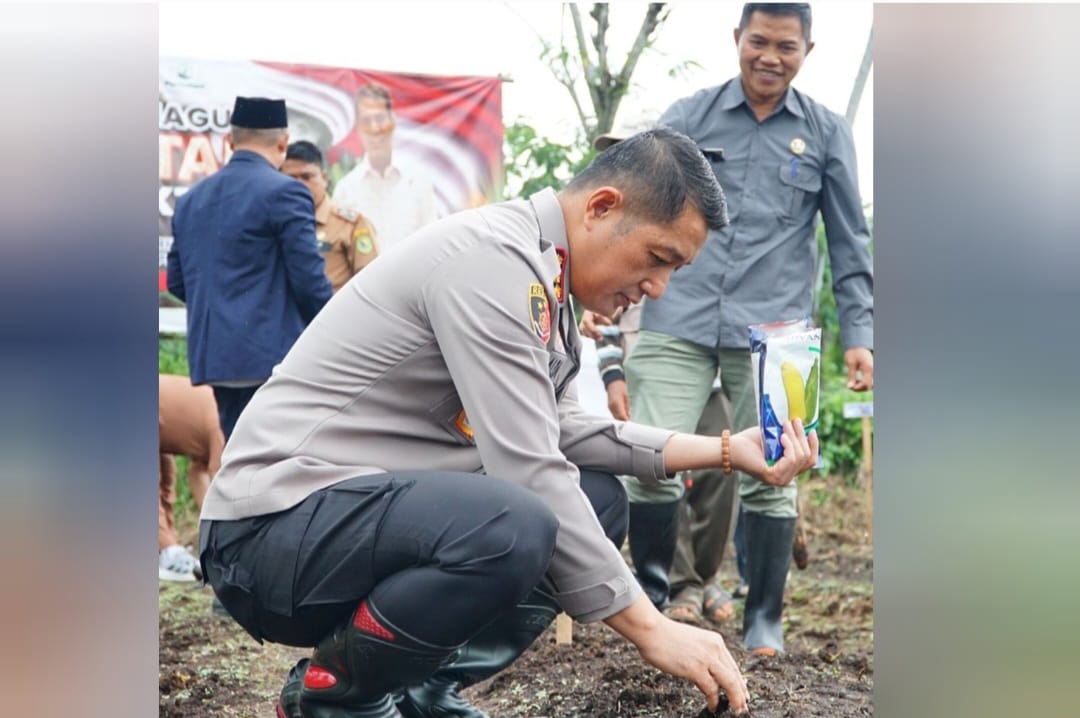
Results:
[658, 171]
[304, 151]
[800, 10]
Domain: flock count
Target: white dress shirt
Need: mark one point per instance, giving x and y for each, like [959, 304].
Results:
[398, 202]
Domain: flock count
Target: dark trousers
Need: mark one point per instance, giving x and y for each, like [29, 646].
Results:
[441, 554]
[230, 402]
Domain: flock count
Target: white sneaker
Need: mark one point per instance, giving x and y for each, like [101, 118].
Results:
[175, 563]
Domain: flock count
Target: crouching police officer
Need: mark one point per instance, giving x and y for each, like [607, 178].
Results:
[416, 491]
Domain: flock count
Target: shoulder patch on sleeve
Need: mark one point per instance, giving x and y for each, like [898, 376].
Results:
[539, 312]
[362, 237]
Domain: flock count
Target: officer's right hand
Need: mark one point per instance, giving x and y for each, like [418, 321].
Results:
[685, 651]
[700, 656]
[590, 324]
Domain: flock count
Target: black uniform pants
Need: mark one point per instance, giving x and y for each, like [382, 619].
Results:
[441, 554]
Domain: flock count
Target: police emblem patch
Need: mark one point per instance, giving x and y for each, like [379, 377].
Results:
[560, 280]
[362, 237]
[539, 313]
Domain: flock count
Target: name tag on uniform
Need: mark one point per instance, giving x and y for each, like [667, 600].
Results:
[325, 247]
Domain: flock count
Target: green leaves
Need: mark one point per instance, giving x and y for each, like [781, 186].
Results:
[534, 162]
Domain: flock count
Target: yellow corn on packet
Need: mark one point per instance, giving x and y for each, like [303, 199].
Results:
[786, 359]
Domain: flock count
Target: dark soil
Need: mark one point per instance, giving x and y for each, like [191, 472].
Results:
[210, 667]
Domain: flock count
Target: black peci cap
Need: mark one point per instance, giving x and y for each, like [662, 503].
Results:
[259, 113]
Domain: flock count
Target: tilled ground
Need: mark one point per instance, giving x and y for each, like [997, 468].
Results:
[210, 667]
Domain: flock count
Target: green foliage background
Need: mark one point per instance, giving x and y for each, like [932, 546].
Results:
[534, 163]
[841, 438]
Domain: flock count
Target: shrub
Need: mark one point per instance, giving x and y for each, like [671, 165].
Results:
[172, 355]
[841, 448]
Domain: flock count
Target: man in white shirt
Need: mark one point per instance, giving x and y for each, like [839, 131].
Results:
[398, 199]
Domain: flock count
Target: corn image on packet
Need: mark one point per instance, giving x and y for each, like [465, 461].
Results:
[786, 358]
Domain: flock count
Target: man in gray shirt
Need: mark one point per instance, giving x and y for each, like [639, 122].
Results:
[415, 492]
[786, 158]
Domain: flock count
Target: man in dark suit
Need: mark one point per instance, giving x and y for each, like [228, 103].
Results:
[245, 261]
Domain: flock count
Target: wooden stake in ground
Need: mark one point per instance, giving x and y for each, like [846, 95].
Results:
[564, 630]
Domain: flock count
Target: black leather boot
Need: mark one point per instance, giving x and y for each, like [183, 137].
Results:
[355, 670]
[768, 554]
[488, 652]
[654, 530]
[289, 701]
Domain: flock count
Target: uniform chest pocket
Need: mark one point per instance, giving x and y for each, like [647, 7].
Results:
[450, 415]
[800, 185]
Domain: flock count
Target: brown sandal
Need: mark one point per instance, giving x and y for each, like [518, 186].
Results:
[718, 606]
[686, 607]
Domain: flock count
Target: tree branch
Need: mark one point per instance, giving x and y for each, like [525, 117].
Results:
[649, 25]
[588, 69]
[600, 15]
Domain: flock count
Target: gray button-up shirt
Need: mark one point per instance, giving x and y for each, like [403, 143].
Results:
[454, 352]
[776, 174]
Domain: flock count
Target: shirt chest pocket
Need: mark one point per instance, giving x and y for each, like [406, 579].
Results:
[800, 185]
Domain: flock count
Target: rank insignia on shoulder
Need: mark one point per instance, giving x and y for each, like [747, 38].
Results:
[347, 214]
[539, 312]
[560, 280]
[364, 243]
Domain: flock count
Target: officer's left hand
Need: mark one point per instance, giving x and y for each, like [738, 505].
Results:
[800, 453]
[618, 399]
[860, 368]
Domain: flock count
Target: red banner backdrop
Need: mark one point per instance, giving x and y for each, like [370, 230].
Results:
[449, 125]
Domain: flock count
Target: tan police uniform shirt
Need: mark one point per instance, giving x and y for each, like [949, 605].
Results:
[346, 241]
[453, 352]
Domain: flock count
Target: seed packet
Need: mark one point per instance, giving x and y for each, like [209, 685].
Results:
[786, 358]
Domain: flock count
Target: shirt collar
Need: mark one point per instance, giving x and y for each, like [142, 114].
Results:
[248, 156]
[392, 172]
[549, 216]
[732, 95]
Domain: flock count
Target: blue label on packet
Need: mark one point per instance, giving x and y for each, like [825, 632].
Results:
[771, 431]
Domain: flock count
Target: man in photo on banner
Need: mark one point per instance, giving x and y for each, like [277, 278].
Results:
[399, 199]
